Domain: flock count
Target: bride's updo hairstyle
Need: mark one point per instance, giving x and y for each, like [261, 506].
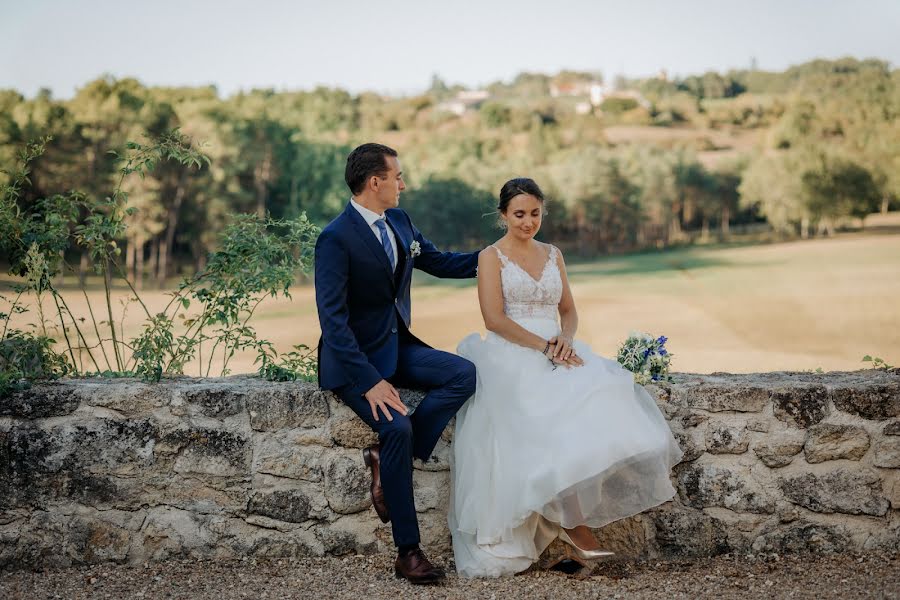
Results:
[514, 187]
[511, 189]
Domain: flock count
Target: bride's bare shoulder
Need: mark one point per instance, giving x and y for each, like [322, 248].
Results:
[489, 254]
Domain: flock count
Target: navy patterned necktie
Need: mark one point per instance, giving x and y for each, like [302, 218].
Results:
[386, 242]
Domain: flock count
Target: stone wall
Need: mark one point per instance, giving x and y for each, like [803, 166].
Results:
[123, 471]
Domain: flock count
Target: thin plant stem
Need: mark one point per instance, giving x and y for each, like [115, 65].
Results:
[112, 325]
[77, 328]
[211, 354]
[96, 329]
[131, 287]
[62, 322]
[9, 316]
[185, 341]
[243, 324]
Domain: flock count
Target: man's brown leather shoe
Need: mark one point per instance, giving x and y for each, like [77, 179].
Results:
[416, 568]
[373, 461]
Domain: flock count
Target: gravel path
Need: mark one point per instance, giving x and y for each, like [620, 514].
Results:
[359, 577]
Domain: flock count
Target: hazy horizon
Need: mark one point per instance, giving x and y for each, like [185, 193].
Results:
[395, 46]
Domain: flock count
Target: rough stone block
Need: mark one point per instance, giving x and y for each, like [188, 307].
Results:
[283, 406]
[280, 454]
[827, 441]
[97, 461]
[48, 400]
[701, 486]
[431, 489]
[800, 406]
[170, 532]
[439, 459]
[692, 419]
[723, 439]
[759, 425]
[216, 400]
[218, 452]
[887, 453]
[892, 489]
[349, 430]
[719, 398]
[130, 397]
[683, 532]
[870, 401]
[661, 393]
[857, 492]
[83, 539]
[804, 537]
[626, 537]
[690, 446]
[289, 505]
[239, 540]
[779, 450]
[347, 483]
[351, 534]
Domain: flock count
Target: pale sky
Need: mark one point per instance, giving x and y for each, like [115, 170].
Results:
[395, 46]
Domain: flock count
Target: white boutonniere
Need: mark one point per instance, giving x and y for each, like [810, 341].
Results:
[415, 249]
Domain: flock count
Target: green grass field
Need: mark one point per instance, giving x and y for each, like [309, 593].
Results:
[803, 305]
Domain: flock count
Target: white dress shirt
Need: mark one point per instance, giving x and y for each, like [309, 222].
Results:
[370, 218]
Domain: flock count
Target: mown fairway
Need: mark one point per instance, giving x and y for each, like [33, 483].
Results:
[790, 306]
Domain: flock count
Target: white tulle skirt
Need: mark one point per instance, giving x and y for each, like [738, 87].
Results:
[537, 448]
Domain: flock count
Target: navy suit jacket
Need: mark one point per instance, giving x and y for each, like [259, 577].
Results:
[360, 300]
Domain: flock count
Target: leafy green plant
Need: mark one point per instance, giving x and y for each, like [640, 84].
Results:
[25, 357]
[35, 236]
[298, 364]
[106, 221]
[151, 348]
[258, 258]
[877, 363]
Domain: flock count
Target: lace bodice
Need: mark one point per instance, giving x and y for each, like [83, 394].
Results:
[527, 297]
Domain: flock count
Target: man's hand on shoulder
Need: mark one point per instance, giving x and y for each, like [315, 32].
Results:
[382, 396]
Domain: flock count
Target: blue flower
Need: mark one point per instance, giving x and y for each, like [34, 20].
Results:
[662, 340]
[646, 353]
[662, 352]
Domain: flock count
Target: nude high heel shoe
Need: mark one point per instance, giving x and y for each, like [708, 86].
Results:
[580, 553]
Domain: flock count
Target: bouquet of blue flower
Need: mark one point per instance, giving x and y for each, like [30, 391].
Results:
[646, 357]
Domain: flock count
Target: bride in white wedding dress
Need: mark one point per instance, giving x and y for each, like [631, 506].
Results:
[556, 439]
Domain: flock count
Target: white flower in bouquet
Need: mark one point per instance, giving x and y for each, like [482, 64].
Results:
[646, 357]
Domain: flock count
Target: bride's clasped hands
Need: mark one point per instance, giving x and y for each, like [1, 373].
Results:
[561, 352]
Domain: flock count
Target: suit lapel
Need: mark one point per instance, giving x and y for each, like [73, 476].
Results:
[402, 245]
[365, 234]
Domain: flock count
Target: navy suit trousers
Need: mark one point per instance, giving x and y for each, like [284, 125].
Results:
[449, 381]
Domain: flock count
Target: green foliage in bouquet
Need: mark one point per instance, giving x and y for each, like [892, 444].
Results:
[646, 357]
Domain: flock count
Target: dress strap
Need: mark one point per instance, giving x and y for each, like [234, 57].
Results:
[552, 256]
[503, 257]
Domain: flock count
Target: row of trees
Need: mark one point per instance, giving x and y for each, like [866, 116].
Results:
[829, 153]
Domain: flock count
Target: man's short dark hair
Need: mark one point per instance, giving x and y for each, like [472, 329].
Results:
[364, 162]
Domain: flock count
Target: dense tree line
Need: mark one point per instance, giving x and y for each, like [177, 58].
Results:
[831, 152]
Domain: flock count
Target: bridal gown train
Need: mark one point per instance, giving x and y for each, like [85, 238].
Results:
[537, 448]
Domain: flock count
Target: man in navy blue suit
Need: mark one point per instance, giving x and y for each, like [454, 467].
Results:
[363, 270]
